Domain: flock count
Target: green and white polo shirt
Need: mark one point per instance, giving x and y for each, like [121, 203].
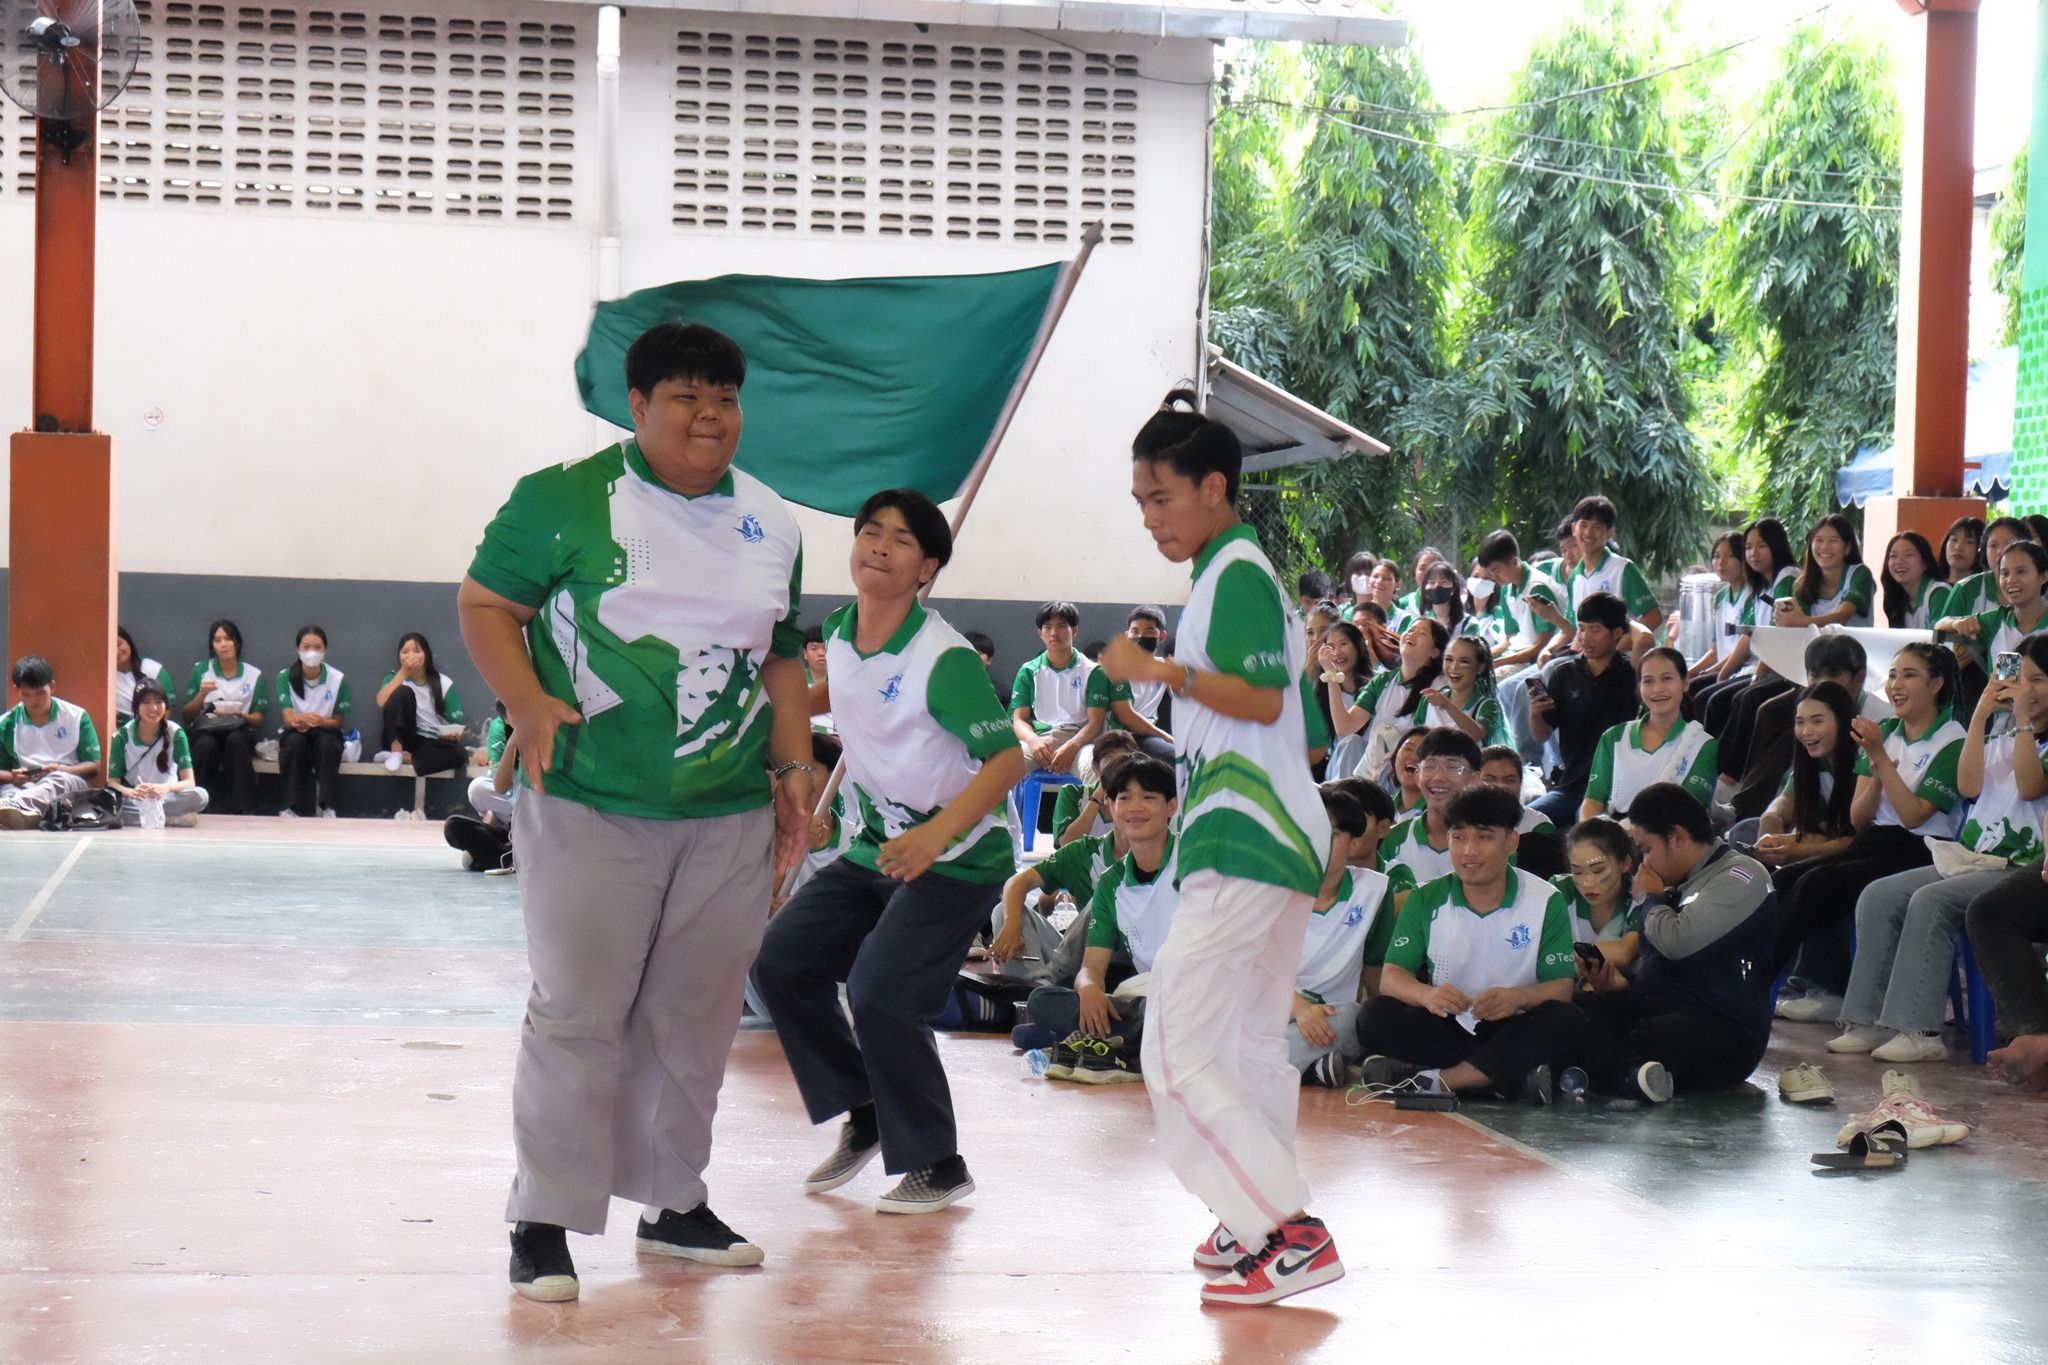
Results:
[65, 737]
[1249, 807]
[130, 761]
[1099, 693]
[1385, 695]
[2001, 824]
[1481, 706]
[325, 693]
[244, 693]
[1857, 590]
[1075, 868]
[495, 735]
[427, 718]
[125, 685]
[1928, 767]
[1731, 609]
[1999, 630]
[1407, 845]
[1058, 697]
[655, 613]
[918, 716]
[1333, 949]
[1133, 911]
[1627, 919]
[1972, 596]
[1613, 574]
[1523, 625]
[1925, 610]
[1400, 882]
[1525, 942]
[1622, 766]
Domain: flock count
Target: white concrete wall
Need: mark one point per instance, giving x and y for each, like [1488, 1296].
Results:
[351, 398]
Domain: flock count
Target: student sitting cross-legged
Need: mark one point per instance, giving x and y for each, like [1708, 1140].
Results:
[1035, 943]
[1476, 991]
[150, 759]
[1694, 1010]
[1128, 919]
[48, 747]
[1447, 764]
[1661, 747]
[1322, 1039]
[1598, 890]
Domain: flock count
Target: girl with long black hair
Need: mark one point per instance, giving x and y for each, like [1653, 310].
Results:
[150, 759]
[313, 695]
[422, 713]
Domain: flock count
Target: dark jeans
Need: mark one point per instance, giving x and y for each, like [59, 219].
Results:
[1560, 806]
[1701, 1050]
[1503, 1050]
[1059, 1009]
[1703, 695]
[316, 751]
[1769, 759]
[1738, 727]
[430, 754]
[2005, 924]
[898, 947]
[1817, 901]
[225, 764]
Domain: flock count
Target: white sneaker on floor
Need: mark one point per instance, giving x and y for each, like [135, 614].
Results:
[1805, 1009]
[1857, 1039]
[14, 816]
[287, 814]
[1925, 1127]
[1804, 1084]
[1913, 1047]
[1897, 1083]
[327, 813]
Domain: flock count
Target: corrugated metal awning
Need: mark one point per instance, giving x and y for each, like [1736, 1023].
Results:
[1277, 428]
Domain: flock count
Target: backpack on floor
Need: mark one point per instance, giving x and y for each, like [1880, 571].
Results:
[84, 812]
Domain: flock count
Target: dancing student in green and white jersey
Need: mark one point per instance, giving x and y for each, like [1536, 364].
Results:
[150, 760]
[931, 756]
[225, 705]
[1661, 747]
[48, 747]
[1906, 793]
[1476, 991]
[1464, 699]
[1834, 589]
[2022, 577]
[1392, 700]
[1322, 1038]
[1049, 700]
[422, 713]
[1114, 706]
[1252, 845]
[312, 697]
[131, 669]
[1601, 570]
[1906, 924]
[1909, 586]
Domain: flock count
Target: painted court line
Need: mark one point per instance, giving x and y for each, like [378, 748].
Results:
[42, 897]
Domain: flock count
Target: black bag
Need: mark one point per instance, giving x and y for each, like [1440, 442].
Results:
[84, 813]
[216, 723]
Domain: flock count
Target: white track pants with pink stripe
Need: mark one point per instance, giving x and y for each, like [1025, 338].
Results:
[1215, 1050]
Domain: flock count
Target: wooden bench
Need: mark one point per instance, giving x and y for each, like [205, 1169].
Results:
[419, 784]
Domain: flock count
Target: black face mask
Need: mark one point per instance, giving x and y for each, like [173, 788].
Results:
[1148, 643]
[1439, 595]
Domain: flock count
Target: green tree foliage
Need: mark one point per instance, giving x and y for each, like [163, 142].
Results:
[1808, 297]
[2008, 244]
[1567, 372]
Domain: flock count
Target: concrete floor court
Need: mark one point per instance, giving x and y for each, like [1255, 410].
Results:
[254, 1106]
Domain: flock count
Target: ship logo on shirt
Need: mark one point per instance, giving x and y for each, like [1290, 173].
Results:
[750, 529]
[1520, 937]
[893, 689]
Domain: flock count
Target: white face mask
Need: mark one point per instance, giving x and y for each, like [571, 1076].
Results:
[1361, 584]
[311, 657]
[1480, 588]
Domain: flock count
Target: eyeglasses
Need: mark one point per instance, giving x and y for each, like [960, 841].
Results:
[1449, 767]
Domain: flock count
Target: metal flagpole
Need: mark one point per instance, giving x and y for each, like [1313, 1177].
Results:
[1062, 290]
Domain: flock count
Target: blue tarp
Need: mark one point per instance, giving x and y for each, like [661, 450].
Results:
[1987, 438]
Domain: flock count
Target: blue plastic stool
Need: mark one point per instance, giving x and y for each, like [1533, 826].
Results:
[1028, 795]
[1972, 997]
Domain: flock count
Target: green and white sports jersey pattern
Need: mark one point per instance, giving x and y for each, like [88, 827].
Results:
[1522, 623]
[1058, 697]
[1857, 591]
[655, 612]
[130, 761]
[1075, 869]
[124, 686]
[1999, 631]
[325, 693]
[1626, 920]
[2001, 824]
[1333, 950]
[1407, 845]
[1928, 766]
[1622, 766]
[1526, 941]
[1481, 706]
[1143, 909]
[430, 721]
[1099, 692]
[246, 691]
[1925, 610]
[1972, 596]
[1616, 575]
[67, 737]
[917, 717]
[1249, 808]
[1732, 609]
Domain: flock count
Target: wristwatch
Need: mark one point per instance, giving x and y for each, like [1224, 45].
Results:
[1187, 685]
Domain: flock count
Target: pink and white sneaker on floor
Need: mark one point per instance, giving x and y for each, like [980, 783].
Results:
[1299, 1256]
[1219, 1250]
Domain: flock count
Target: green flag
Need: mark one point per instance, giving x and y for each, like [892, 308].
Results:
[852, 385]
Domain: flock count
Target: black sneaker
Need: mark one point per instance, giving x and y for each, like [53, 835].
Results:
[1386, 1072]
[1106, 1061]
[928, 1188]
[1329, 1072]
[698, 1235]
[1538, 1088]
[541, 1268]
[857, 1147]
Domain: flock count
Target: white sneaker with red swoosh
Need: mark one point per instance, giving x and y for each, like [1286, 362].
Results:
[1299, 1256]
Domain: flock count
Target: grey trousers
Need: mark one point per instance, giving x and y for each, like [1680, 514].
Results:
[1906, 927]
[43, 792]
[1302, 1054]
[639, 933]
[177, 805]
[484, 799]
